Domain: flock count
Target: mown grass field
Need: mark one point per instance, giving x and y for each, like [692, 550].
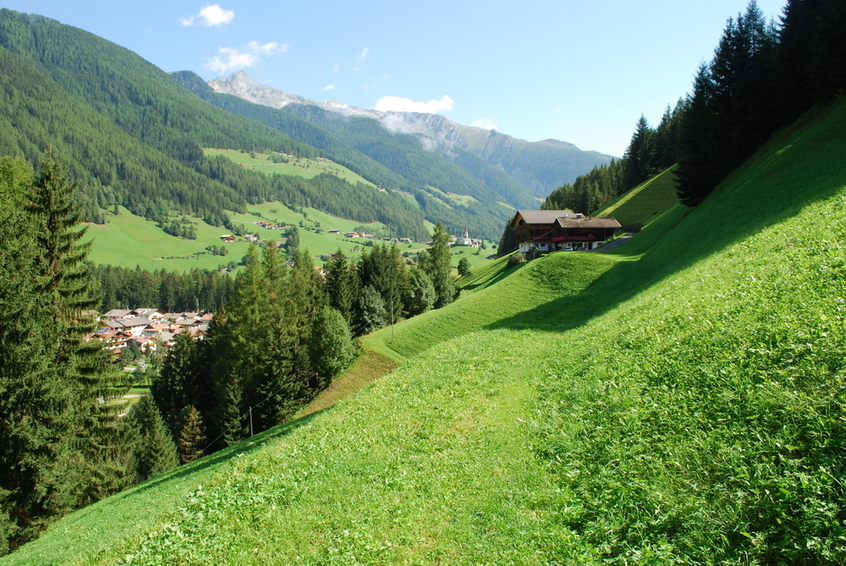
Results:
[677, 401]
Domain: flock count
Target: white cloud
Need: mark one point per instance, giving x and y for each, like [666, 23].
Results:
[397, 104]
[230, 59]
[486, 124]
[271, 48]
[210, 15]
[329, 87]
[357, 66]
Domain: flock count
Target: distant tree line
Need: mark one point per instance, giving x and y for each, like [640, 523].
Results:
[196, 290]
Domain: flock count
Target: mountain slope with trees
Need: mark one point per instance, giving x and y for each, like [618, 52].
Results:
[133, 136]
[391, 160]
[537, 167]
[678, 399]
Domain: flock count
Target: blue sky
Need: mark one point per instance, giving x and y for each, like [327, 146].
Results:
[578, 71]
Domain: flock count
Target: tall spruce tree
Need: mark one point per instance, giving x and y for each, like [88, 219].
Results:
[192, 436]
[177, 383]
[62, 446]
[30, 402]
[696, 176]
[342, 285]
[439, 266]
[640, 157]
[156, 451]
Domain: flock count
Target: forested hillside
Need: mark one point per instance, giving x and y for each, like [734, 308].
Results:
[533, 168]
[133, 136]
[395, 161]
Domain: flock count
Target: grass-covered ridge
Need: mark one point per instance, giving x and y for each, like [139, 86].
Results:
[683, 403]
[644, 203]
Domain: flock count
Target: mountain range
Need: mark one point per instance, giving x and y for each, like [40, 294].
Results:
[134, 135]
[540, 166]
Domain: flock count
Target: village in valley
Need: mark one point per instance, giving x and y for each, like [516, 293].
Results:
[147, 330]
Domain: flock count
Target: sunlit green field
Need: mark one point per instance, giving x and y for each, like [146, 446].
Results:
[295, 166]
[676, 401]
[127, 240]
[644, 203]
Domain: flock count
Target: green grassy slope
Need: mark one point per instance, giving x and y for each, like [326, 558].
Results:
[127, 240]
[644, 203]
[679, 401]
[528, 286]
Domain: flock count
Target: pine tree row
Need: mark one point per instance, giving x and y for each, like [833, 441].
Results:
[762, 77]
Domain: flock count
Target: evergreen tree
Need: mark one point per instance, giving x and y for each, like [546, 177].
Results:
[439, 266]
[696, 175]
[84, 366]
[342, 285]
[371, 312]
[330, 348]
[233, 422]
[828, 52]
[176, 385]
[508, 241]
[666, 137]
[156, 451]
[61, 447]
[639, 157]
[192, 436]
[31, 403]
[463, 266]
[421, 292]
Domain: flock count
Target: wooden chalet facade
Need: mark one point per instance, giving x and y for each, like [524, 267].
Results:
[541, 231]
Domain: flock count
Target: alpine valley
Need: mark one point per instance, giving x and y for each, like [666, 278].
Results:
[137, 137]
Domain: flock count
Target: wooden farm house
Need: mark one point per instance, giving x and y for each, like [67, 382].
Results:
[541, 231]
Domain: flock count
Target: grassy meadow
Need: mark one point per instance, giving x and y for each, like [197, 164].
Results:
[677, 400]
[127, 240]
[644, 203]
[292, 166]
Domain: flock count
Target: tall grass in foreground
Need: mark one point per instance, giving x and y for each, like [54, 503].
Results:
[703, 421]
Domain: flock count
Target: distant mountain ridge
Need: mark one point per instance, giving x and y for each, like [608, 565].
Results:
[134, 136]
[540, 166]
